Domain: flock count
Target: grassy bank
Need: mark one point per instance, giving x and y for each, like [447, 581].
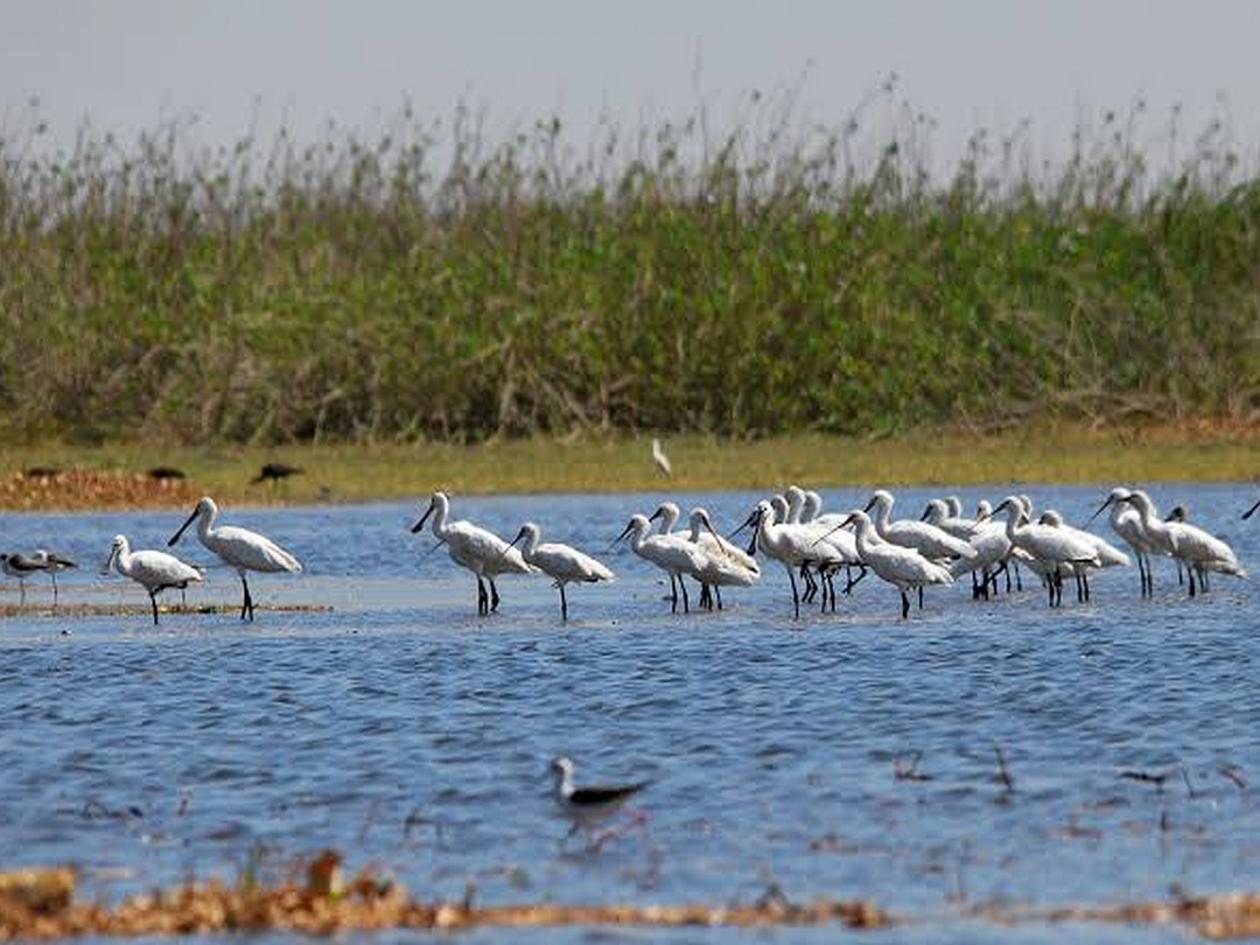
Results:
[336, 473]
[432, 284]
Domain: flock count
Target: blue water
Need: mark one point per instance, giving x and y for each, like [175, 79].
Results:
[404, 730]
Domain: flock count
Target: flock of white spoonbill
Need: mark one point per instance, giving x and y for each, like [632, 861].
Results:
[791, 529]
[938, 548]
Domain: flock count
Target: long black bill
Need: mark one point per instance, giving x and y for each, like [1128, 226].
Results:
[748, 522]
[423, 518]
[626, 531]
[183, 528]
[1099, 511]
[831, 531]
[1251, 511]
[926, 512]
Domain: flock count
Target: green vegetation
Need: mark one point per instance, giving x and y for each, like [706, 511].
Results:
[431, 285]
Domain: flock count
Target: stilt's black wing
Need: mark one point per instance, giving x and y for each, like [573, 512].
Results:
[604, 794]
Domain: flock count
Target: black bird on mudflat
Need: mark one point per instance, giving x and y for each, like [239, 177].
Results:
[275, 472]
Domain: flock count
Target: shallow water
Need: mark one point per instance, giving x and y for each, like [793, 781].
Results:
[414, 736]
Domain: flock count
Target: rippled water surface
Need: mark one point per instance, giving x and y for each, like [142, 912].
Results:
[404, 730]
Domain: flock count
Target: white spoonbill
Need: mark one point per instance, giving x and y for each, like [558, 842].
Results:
[790, 545]
[1054, 548]
[1197, 549]
[728, 564]
[1127, 523]
[479, 550]
[1109, 556]
[669, 553]
[155, 571]
[899, 565]
[926, 539]
[238, 547]
[561, 563]
[939, 514]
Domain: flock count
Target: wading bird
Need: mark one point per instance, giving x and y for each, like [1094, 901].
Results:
[588, 805]
[239, 548]
[1197, 550]
[21, 567]
[671, 554]
[155, 571]
[479, 550]
[899, 565]
[1127, 523]
[1056, 549]
[54, 564]
[561, 563]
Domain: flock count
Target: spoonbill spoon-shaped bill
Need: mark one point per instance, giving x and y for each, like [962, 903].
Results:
[588, 804]
[927, 539]
[675, 556]
[238, 548]
[562, 563]
[477, 549]
[904, 567]
[660, 460]
[155, 571]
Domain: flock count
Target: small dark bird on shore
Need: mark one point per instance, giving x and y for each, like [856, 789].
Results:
[275, 472]
[164, 473]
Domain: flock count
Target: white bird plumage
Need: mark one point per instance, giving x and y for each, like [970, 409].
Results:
[904, 567]
[155, 571]
[1192, 545]
[662, 462]
[1054, 549]
[477, 549]
[928, 540]
[671, 554]
[562, 563]
[238, 548]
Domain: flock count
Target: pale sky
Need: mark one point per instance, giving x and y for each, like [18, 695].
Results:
[128, 64]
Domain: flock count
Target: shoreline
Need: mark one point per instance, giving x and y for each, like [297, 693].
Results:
[113, 476]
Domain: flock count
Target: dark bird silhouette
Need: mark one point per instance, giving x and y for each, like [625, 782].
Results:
[164, 473]
[275, 472]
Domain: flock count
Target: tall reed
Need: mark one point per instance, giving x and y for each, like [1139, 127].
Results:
[435, 282]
